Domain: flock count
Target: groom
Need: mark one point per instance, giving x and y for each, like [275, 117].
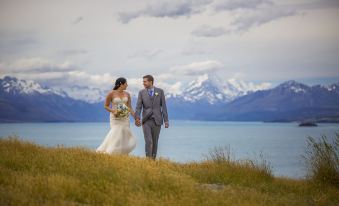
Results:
[152, 101]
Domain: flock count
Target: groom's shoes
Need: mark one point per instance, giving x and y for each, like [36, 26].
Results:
[150, 158]
[153, 156]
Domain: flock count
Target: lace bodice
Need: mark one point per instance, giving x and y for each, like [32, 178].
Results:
[117, 100]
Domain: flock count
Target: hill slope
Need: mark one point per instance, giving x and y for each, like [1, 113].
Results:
[35, 175]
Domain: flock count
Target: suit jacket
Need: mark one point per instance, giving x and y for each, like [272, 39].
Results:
[154, 107]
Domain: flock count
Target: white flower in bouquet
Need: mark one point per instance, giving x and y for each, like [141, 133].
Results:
[122, 111]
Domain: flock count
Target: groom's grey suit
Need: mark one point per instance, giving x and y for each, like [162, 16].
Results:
[153, 115]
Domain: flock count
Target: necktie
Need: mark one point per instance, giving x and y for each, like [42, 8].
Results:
[150, 92]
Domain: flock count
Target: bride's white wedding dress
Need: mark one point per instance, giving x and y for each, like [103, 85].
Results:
[119, 139]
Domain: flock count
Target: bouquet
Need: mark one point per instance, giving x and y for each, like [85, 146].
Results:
[122, 111]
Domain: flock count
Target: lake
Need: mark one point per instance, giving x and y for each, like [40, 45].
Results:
[282, 144]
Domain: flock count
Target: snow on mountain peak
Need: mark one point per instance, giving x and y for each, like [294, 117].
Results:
[332, 87]
[197, 83]
[211, 88]
[294, 86]
[18, 86]
[91, 95]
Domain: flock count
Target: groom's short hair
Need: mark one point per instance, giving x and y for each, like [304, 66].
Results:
[149, 78]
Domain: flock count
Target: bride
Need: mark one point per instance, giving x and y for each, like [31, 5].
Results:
[119, 139]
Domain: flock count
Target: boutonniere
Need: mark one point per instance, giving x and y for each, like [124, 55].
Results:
[156, 94]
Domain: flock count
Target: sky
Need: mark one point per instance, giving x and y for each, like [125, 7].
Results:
[91, 43]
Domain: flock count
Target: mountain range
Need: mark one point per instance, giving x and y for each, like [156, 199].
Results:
[289, 101]
[206, 98]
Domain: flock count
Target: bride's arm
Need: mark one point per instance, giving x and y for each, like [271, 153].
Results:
[129, 105]
[108, 102]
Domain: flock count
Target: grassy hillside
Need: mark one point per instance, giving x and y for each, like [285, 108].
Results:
[34, 175]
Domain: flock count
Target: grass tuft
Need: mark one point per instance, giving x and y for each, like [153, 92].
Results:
[322, 160]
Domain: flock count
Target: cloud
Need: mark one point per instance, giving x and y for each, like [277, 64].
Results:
[72, 52]
[258, 17]
[160, 9]
[146, 54]
[252, 13]
[229, 5]
[195, 51]
[208, 31]
[37, 65]
[196, 68]
[65, 75]
[249, 86]
[247, 15]
[15, 42]
[54, 74]
[318, 4]
[77, 20]
[174, 80]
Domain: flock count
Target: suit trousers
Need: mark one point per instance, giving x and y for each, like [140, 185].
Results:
[151, 134]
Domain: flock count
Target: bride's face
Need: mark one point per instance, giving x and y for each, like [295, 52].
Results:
[124, 86]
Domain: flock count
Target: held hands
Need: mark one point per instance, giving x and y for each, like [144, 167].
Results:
[137, 122]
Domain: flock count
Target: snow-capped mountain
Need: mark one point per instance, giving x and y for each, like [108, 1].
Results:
[212, 89]
[206, 98]
[289, 101]
[26, 87]
[332, 87]
[293, 86]
[87, 94]
[28, 101]
[207, 88]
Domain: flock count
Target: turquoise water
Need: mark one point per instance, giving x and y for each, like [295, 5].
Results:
[282, 144]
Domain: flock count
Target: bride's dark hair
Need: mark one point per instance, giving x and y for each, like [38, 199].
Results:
[119, 82]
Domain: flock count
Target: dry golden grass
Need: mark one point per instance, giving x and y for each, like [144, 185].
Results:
[322, 158]
[34, 175]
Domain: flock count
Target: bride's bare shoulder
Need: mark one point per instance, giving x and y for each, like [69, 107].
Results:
[111, 93]
[127, 94]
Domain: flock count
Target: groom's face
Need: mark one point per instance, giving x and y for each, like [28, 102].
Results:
[146, 83]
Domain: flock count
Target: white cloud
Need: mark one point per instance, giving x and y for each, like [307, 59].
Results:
[173, 9]
[254, 18]
[66, 76]
[147, 54]
[249, 86]
[54, 74]
[246, 14]
[317, 4]
[230, 5]
[163, 33]
[78, 20]
[37, 65]
[196, 68]
[208, 31]
[72, 52]
[171, 89]
[175, 80]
